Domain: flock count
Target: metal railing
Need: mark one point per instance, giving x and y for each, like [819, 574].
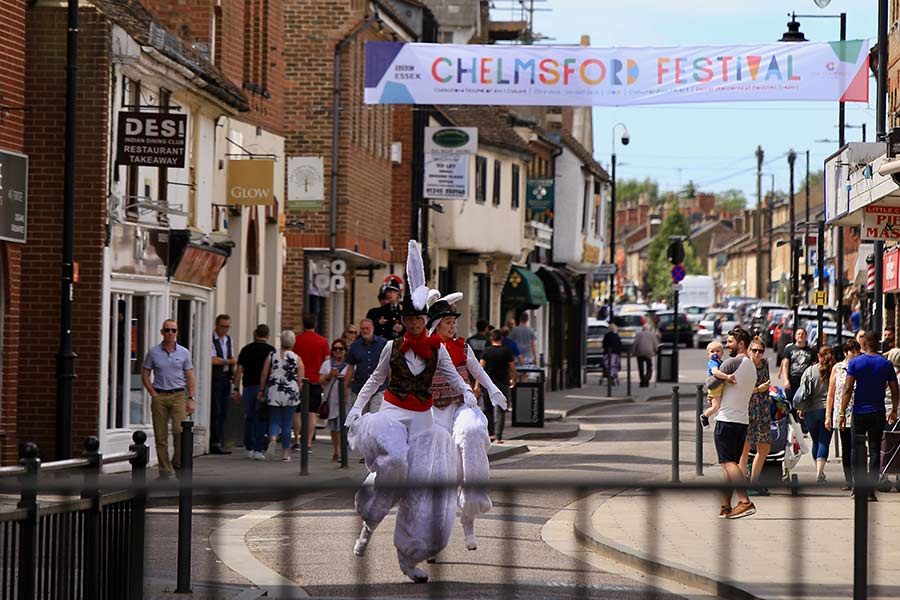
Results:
[89, 543]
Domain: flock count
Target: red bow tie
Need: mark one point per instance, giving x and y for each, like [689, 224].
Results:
[421, 345]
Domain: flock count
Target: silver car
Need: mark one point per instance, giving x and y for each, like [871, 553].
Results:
[707, 323]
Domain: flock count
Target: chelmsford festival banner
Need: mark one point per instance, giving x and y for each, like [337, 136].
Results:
[400, 73]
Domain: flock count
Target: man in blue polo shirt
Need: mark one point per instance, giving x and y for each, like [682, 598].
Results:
[869, 374]
[363, 358]
[172, 394]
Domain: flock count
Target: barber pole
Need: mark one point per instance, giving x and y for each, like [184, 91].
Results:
[870, 273]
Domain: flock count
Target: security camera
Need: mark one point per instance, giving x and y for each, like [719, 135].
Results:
[625, 138]
[891, 167]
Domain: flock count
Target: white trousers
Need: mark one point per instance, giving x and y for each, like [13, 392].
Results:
[404, 446]
[468, 426]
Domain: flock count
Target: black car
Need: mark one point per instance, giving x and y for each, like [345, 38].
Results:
[667, 328]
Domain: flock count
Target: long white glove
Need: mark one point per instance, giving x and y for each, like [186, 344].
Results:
[470, 399]
[498, 399]
[353, 416]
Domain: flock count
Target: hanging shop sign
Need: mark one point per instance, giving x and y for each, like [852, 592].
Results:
[13, 196]
[306, 183]
[891, 274]
[251, 182]
[327, 275]
[413, 73]
[880, 223]
[538, 196]
[151, 139]
[447, 152]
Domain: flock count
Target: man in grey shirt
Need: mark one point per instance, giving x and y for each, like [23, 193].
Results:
[172, 394]
[526, 339]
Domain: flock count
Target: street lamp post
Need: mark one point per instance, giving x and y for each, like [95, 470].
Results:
[795, 267]
[612, 231]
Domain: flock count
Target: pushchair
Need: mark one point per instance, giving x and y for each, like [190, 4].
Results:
[890, 461]
[785, 446]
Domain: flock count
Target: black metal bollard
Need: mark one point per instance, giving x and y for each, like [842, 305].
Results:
[91, 548]
[342, 416]
[862, 486]
[138, 514]
[698, 439]
[304, 429]
[27, 574]
[185, 508]
[628, 376]
[675, 434]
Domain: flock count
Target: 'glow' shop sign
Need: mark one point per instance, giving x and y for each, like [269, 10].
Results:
[401, 73]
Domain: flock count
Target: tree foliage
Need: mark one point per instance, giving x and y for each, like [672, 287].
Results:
[629, 191]
[731, 201]
[659, 269]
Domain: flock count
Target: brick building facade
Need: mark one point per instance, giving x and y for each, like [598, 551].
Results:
[364, 219]
[12, 133]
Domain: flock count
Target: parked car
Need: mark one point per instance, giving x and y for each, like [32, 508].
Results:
[629, 324]
[773, 323]
[706, 325]
[695, 314]
[667, 332]
[596, 329]
[830, 330]
[806, 313]
[761, 314]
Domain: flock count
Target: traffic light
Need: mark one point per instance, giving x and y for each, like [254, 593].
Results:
[675, 253]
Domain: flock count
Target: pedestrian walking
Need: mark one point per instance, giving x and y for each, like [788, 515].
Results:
[867, 377]
[836, 386]
[760, 417]
[732, 421]
[645, 346]
[332, 369]
[362, 357]
[280, 390]
[248, 372]
[171, 390]
[312, 349]
[499, 363]
[888, 340]
[810, 403]
[351, 332]
[612, 350]
[480, 339]
[526, 339]
[794, 361]
[223, 364]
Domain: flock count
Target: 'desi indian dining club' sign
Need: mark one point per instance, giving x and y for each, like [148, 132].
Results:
[151, 139]
[414, 73]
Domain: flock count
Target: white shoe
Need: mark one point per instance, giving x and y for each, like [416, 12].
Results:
[469, 531]
[362, 542]
[417, 575]
[251, 454]
[259, 456]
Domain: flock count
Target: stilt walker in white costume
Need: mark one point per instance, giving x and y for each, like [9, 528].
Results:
[401, 443]
[467, 424]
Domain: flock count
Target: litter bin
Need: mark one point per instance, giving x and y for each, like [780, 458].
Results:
[528, 399]
[665, 364]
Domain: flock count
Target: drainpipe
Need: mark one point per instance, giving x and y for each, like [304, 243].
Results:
[336, 123]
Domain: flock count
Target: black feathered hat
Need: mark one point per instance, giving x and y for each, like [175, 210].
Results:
[438, 311]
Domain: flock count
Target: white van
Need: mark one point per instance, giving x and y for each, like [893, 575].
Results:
[697, 290]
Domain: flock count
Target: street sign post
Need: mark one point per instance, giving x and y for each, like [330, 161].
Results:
[820, 297]
[607, 269]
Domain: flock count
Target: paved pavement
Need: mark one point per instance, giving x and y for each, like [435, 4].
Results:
[794, 547]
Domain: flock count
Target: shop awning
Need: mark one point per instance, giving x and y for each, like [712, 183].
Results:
[523, 288]
[556, 287]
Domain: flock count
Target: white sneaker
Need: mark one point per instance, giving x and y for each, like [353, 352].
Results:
[362, 542]
[259, 456]
[469, 531]
[251, 454]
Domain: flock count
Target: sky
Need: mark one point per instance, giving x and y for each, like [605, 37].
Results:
[713, 144]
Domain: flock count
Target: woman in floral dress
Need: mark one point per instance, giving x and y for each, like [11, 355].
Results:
[280, 389]
[760, 416]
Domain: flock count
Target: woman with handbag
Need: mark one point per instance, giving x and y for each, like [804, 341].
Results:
[811, 407]
[280, 390]
[332, 369]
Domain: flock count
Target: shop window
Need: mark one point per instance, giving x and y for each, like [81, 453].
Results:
[131, 101]
[495, 195]
[483, 297]
[586, 212]
[252, 243]
[480, 179]
[132, 330]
